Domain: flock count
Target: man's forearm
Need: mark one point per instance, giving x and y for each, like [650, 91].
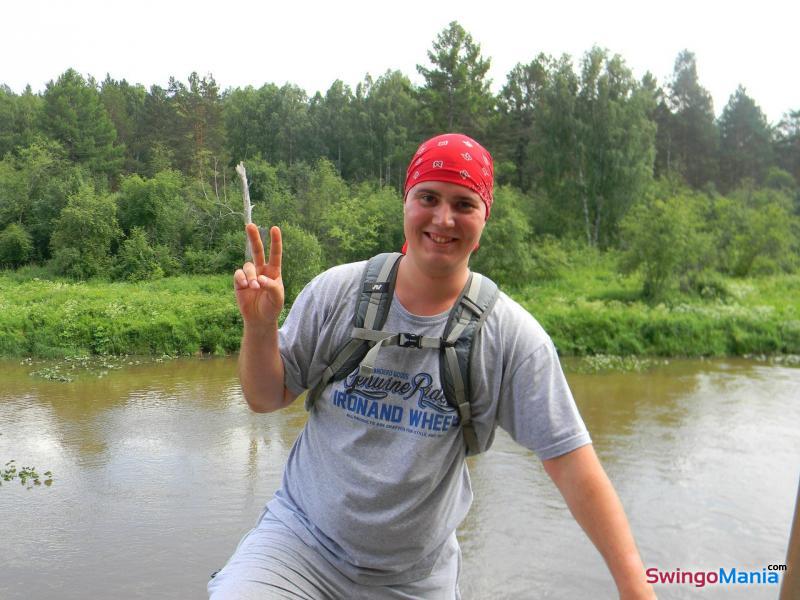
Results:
[597, 509]
[261, 370]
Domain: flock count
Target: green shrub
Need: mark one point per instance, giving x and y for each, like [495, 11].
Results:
[302, 259]
[16, 246]
[136, 260]
[505, 254]
[83, 234]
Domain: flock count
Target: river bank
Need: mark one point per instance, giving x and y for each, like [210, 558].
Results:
[588, 311]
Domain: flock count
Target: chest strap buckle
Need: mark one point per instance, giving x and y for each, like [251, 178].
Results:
[409, 340]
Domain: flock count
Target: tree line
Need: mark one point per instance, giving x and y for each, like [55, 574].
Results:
[112, 179]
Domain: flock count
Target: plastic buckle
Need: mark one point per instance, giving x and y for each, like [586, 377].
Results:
[409, 340]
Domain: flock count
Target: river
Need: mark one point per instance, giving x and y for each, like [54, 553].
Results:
[159, 468]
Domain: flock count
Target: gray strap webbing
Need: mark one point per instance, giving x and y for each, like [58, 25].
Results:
[374, 335]
[455, 373]
[367, 366]
[462, 402]
[456, 332]
[475, 288]
[386, 338]
[375, 297]
[470, 438]
[327, 375]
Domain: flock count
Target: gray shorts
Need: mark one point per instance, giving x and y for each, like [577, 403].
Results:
[272, 562]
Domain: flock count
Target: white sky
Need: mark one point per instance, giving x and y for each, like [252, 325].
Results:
[312, 43]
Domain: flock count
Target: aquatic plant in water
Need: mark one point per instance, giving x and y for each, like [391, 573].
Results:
[27, 476]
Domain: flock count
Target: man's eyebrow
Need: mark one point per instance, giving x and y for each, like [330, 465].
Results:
[428, 191]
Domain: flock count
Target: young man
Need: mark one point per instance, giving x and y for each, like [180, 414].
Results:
[369, 506]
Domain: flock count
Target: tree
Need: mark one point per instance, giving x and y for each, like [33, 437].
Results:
[745, 141]
[19, 119]
[456, 93]
[595, 144]
[75, 116]
[200, 125]
[334, 116]
[691, 136]
[520, 102]
[124, 104]
[392, 112]
[34, 185]
[158, 132]
[156, 205]
[84, 233]
[787, 143]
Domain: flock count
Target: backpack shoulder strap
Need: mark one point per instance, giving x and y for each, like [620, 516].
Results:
[372, 307]
[463, 326]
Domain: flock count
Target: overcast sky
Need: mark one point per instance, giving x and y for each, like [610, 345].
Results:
[312, 43]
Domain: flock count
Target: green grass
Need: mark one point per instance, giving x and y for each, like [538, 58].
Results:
[175, 316]
[593, 310]
[590, 310]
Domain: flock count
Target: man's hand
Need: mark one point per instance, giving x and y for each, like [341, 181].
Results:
[258, 284]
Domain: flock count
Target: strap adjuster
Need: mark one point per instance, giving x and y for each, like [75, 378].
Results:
[409, 340]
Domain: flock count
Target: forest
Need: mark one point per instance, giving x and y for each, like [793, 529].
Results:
[109, 181]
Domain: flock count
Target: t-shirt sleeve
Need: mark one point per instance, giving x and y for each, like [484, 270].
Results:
[537, 408]
[297, 338]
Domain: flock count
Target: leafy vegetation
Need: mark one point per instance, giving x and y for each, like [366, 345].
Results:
[27, 476]
[121, 217]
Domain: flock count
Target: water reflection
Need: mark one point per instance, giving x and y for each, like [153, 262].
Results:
[160, 468]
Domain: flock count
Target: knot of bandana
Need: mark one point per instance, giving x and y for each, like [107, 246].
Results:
[454, 158]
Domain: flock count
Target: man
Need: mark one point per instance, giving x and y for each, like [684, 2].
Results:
[368, 507]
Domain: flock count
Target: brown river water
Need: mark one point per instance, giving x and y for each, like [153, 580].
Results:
[160, 468]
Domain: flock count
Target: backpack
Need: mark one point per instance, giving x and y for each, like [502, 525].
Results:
[456, 344]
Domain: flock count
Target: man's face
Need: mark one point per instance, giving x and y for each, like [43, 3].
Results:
[443, 223]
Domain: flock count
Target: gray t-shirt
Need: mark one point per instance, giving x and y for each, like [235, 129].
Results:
[377, 480]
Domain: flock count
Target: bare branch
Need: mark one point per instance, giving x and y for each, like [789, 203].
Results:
[248, 207]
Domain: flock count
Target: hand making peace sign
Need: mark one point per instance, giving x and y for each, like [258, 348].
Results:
[259, 287]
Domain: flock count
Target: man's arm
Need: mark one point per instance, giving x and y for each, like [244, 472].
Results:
[259, 294]
[596, 507]
[261, 370]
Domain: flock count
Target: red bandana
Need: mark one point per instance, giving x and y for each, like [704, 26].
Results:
[454, 158]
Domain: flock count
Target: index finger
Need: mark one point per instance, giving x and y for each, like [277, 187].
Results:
[275, 248]
[256, 244]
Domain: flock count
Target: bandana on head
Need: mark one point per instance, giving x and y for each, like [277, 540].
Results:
[454, 158]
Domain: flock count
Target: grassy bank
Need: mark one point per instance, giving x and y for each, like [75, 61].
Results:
[593, 310]
[590, 310]
[175, 316]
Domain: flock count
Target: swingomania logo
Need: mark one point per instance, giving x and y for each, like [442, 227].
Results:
[768, 575]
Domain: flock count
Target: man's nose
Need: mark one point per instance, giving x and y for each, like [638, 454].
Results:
[443, 215]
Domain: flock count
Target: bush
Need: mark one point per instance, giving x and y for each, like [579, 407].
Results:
[302, 259]
[16, 246]
[83, 235]
[755, 232]
[199, 261]
[550, 258]
[136, 260]
[230, 255]
[662, 239]
[505, 254]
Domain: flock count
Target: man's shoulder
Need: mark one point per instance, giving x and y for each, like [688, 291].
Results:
[510, 324]
[337, 279]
